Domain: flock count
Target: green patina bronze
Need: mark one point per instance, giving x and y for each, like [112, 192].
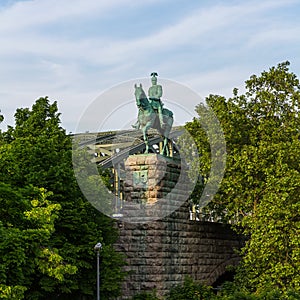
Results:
[140, 178]
[152, 114]
[154, 94]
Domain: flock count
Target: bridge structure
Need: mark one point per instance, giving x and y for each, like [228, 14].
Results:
[161, 253]
[109, 150]
[112, 147]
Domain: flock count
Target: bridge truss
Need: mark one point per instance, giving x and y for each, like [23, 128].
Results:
[109, 150]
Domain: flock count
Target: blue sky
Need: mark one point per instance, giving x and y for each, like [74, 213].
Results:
[74, 50]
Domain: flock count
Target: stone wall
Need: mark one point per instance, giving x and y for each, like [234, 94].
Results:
[161, 252]
[154, 187]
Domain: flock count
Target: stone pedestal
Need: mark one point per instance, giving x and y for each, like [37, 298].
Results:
[162, 246]
[155, 186]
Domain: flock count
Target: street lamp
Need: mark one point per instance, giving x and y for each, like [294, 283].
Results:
[97, 248]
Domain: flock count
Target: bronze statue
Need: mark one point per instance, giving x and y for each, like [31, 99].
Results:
[152, 114]
[154, 93]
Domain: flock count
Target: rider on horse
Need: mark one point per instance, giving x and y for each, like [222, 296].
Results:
[154, 93]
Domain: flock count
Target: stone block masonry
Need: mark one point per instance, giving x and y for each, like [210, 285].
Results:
[160, 254]
[162, 246]
[155, 186]
[150, 177]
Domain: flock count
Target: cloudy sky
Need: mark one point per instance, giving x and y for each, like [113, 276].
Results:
[74, 51]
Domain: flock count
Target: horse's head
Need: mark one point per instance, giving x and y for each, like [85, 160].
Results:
[139, 94]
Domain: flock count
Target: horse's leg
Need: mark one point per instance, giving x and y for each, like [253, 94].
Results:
[166, 146]
[165, 134]
[145, 134]
[145, 137]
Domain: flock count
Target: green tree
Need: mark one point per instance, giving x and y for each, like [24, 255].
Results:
[145, 296]
[37, 152]
[261, 187]
[190, 290]
[25, 230]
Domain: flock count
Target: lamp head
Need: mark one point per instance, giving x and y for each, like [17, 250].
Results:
[98, 246]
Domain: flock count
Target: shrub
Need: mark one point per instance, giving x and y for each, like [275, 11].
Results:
[145, 296]
[190, 290]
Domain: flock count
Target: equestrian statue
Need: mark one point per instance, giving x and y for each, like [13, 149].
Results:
[152, 114]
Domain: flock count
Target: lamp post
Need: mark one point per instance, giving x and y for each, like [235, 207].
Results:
[97, 248]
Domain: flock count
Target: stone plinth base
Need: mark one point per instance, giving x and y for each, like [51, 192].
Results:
[150, 177]
[155, 186]
[161, 254]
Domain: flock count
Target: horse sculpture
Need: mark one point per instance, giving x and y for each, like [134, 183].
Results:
[148, 118]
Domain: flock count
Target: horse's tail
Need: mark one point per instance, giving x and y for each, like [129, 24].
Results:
[167, 112]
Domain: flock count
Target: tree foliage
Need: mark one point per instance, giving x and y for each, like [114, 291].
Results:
[193, 290]
[36, 154]
[25, 238]
[190, 290]
[261, 187]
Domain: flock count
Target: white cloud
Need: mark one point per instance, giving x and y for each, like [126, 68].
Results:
[29, 14]
[275, 35]
[189, 32]
[218, 40]
[34, 13]
[219, 82]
